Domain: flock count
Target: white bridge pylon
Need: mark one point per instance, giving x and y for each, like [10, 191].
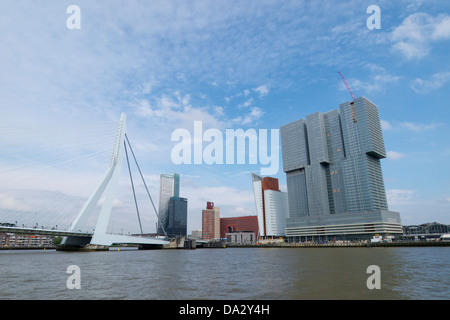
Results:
[108, 188]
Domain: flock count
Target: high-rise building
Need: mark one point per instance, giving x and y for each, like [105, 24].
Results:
[177, 223]
[271, 206]
[210, 222]
[334, 177]
[169, 187]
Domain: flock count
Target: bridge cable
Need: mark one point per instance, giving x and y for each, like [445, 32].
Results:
[148, 192]
[132, 186]
[33, 150]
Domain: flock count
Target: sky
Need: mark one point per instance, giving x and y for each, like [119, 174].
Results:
[227, 65]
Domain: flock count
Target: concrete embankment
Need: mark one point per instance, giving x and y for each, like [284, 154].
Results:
[345, 244]
[27, 248]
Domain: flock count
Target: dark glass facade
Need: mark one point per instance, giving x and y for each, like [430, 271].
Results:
[177, 222]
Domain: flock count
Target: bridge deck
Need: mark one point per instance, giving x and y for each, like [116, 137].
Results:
[106, 239]
[37, 231]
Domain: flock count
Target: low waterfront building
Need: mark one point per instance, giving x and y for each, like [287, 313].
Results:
[196, 235]
[235, 224]
[425, 231]
[12, 240]
[241, 237]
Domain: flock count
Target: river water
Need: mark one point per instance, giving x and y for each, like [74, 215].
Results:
[420, 273]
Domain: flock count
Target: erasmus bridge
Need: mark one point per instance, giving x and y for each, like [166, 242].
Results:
[104, 195]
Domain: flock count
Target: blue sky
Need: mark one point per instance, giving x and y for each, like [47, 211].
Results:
[230, 64]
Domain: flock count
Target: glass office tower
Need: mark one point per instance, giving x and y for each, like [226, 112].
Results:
[334, 178]
[169, 187]
[177, 223]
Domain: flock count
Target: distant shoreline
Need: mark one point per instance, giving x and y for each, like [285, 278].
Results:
[299, 245]
[29, 248]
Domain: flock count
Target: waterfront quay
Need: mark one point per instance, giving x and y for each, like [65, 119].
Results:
[277, 243]
[342, 244]
[28, 248]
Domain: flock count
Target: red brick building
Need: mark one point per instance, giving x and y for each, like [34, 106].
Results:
[246, 223]
[210, 222]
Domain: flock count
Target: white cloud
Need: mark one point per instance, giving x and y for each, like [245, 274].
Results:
[379, 79]
[393, 155]
[145, 145]
[385, 125]
[12, 202]
[263, 90]
[417, 127]
[436, 81]
[442, 28]
[251, 117]
[246, 104]
[219, 111]
[414, 208]
[399, 196]
[144, 109]
[414, 37]
[175, 110]
[149, 85]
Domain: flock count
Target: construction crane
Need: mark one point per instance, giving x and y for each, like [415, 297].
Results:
[346, 84]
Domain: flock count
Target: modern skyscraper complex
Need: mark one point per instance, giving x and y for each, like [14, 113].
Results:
[334, 177]
[335, 188]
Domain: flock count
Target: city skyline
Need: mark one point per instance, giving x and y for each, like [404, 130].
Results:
[231, 65]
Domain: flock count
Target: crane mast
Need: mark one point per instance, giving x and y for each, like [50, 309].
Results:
[346, 84]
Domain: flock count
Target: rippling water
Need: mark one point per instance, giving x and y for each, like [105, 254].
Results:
[231, 273]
